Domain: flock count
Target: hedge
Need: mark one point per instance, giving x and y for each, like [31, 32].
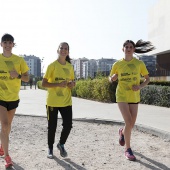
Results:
[104, 91]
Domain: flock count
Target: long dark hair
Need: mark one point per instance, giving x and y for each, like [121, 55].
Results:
[68, 59]
[140, 46]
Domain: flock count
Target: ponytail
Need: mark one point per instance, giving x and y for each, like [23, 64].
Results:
[68, 59]
[140, 46]
[143, 46]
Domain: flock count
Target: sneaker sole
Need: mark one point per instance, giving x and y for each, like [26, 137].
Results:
[134, 159]
[9, 165]
[50, 156]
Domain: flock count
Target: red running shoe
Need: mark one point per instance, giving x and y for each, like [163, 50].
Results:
[1, 151]
[8, 161]
[121, 137]
[129, 155]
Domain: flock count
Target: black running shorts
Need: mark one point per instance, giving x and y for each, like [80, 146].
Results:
[9, 105]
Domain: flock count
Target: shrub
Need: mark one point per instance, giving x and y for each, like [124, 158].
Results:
[83, 89]
[39, 85]
[156, 95]
[100, 89]
[96, 89]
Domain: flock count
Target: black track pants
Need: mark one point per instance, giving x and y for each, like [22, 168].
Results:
[52, 116]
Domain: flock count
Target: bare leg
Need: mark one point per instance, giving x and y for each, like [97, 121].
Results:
[133, 110]
[129, 113]
[6, 118]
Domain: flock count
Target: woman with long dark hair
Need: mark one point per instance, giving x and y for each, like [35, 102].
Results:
[128, 71]
[59, 80]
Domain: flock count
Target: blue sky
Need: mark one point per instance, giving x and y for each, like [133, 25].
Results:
[93, 28]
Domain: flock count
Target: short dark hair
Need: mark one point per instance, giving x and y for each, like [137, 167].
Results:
[7, 37]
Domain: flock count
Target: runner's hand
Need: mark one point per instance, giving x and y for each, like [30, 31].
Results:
[71, 84]
[13, 74]
[135, 87]
[63, 84]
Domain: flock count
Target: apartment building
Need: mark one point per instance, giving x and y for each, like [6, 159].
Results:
[150, 62]
[85, 68]
[89, 68]
[34, 63]
[78, 67]
[104, 65]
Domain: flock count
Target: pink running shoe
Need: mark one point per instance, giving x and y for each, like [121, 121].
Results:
[129, 155]
[1, 151]
[121, 137]
[8, 161]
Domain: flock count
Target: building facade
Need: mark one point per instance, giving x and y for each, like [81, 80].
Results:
[34, 63]
[89, 68]
[104, 65]
[85, 68]
[78, 67]
[159, 35]
[150, 62]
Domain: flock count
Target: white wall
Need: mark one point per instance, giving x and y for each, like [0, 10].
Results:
[159, 26]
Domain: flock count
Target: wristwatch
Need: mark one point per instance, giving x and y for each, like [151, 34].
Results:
[19, 76]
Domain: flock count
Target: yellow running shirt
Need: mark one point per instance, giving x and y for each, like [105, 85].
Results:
[56, 73]
[9, 87]
[129, 73]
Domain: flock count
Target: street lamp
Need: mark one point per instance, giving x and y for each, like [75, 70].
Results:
[42, 67]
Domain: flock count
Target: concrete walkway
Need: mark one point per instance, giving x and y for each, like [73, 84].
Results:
[153, 119]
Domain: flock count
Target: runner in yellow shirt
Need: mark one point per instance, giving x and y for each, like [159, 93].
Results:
[128, 71]
[59, 79]
[13, 69]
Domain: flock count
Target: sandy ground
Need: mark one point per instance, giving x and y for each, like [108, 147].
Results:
[90, 146]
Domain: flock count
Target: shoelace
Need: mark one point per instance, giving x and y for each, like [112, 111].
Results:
[62, 147]
[130, 151]
[8, 159]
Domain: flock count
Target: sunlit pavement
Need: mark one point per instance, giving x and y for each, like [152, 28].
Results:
[153, 119]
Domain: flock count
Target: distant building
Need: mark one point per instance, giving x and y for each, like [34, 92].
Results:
[89, 68]
[150, 62]
[85, 68]
[34, 63]
[78, 67]
[104, 65]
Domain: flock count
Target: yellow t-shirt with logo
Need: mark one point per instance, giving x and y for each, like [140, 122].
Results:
[129, 73]
[9, 87]
[56, 73]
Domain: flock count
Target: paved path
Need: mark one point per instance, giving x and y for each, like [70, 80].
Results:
[150, 118]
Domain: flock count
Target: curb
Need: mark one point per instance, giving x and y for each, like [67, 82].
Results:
[143, 128]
